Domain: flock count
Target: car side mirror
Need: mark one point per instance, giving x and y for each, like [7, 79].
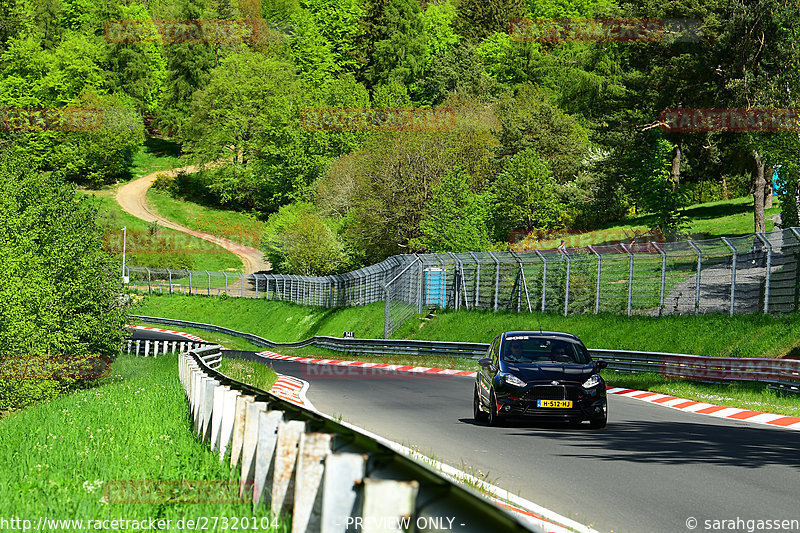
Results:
[600, 365]
[486, 364]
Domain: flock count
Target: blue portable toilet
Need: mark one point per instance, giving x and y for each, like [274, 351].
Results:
[436, 287]
[775, 175]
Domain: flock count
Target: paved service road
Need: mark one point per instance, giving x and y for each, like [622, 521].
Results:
[148, 334]
[132, 197]
[650, 470]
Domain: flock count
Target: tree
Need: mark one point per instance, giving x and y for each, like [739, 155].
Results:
[60, 291]
[529, 120]
[456, 218]
[399, 52]
[653, 187]
[188, 69]
[477, 19]
[525, 195]
[298, 241]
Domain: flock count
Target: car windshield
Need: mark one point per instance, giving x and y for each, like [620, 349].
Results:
[532, 349]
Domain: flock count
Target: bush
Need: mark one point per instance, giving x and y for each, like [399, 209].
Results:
[60, 290]
[297, 240]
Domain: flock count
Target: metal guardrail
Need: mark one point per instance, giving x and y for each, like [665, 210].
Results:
[339, 473]
[779, 374]
[150, 347]
[745, 274]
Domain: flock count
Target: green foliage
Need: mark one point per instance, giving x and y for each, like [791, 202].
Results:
[298, 241]
[530, 120]
[438, 21]
[456, 218]
[60, 290]
[653, 189]
[400, 48]
[477, 19]
[525, 196]
[789, 194]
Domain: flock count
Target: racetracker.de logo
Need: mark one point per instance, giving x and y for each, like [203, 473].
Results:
[55, 367]
[182, 31]
[603, 30]
[729, 120]
[29, 119]
[377, 119]
[354, 370]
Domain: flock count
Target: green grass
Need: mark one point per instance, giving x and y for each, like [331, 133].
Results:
[711, 335]
[251, 372]
[201, 254]
[742, 395]
[238, 227]
[276, 321]
[718, 335]
[714, 219]
[134, 425]
[156, 155]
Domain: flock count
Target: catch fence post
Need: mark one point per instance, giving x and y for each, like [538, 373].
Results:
[663, 276]
[733, 272]
[630, 277]
[699, 270]
[386, 313]
[597, 288]
[768, 273]
[477, 279]
[496, 279]
[544, 279]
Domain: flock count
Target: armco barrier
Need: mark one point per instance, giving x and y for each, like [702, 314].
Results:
[781, 374]
[327, 474]
[150, 347]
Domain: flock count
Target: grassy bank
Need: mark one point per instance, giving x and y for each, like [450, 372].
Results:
[276, 321]
[156, 246]
[705, 221]
[712, 335]
[133, 426]
[238, 227]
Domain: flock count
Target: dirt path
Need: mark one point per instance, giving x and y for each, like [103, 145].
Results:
[132, 197]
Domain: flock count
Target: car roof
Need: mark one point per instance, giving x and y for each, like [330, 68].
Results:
[538, 333]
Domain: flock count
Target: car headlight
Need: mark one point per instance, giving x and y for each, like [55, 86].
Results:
[592, 382]
[512, 380]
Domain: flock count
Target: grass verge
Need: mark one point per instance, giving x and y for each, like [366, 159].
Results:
[251, 372]
[156, 246]
[755, 335]
[133, 425]
[238, 227]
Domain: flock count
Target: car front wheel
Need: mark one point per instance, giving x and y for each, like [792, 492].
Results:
[494, 417]
[599, 422]
[477, 412]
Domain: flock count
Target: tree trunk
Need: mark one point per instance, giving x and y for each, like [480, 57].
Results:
[724, 188]
[768, 187]
[675, 173]
[758, 194]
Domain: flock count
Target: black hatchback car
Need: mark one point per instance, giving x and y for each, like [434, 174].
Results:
[540, 374]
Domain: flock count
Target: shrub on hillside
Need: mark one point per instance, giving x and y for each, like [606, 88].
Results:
[60, 289]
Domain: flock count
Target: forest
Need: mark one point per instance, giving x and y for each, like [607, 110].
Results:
[545, 131]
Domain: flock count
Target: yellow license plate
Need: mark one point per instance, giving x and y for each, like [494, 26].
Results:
[558, 404]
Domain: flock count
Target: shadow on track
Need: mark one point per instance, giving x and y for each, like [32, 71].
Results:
[663, 442]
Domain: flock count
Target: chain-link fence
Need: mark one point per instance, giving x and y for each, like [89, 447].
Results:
[755, 273]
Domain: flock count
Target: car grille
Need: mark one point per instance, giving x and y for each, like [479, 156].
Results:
[552, 392]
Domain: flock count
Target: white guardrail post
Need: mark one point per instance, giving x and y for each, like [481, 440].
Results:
[289, 462]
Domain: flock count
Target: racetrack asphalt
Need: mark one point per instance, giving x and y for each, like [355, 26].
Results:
[650, 470]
